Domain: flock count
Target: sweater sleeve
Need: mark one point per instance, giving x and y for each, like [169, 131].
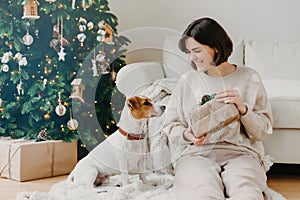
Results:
[175, 123]
[258, 119]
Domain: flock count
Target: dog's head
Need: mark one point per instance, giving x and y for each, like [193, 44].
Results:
[142, 107]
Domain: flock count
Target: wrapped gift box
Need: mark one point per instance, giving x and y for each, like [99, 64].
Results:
[24, 160]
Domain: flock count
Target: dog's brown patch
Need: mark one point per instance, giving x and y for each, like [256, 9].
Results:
[140, 107]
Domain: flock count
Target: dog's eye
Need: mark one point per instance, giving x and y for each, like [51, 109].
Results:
[146, 103]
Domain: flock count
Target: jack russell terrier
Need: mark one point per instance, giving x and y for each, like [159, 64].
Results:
[123, 151]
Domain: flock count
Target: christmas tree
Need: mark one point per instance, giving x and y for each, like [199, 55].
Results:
[59, 59]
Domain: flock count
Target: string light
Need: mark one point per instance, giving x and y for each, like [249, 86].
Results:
[47, 116]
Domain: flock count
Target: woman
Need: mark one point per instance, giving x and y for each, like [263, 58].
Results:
[227, 163]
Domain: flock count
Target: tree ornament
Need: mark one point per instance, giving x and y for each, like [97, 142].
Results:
[84, 4]
[61, 54]
[100, 58]
[57, 39]
[108, 37]
[23, 61]
[42, 136]
[47, 116]
[100, 38]
[6, 57]
[94, 65]
[50, 1]
[81, 38]
[1, 108]
[113, 75]
[30, 9]
[60, 109]
[82, 28]
[104, 68]
[36, 32]
[45, 82]
[18, 56]
[90, 25]
[20, 88]
[72, 123]
[5, 68]
[101, 24]
[27, 39]
[77, 91]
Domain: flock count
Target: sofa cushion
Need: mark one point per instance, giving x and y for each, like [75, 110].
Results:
[282, 87]
[176, 63]
[135, 77]
[274, 60]
[285, 111]
[285, 101]
[237, 55]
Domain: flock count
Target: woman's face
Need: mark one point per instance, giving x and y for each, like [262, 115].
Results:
[201, 55]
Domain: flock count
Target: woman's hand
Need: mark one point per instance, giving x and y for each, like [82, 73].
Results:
[232, 96]
[189, 135]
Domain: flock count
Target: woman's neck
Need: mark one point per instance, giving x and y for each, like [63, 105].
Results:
[223, 69]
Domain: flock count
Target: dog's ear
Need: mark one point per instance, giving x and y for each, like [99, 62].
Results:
[133, 103]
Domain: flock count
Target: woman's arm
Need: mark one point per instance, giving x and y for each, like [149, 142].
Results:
[257, 117]
[258, 120]
[175, 123]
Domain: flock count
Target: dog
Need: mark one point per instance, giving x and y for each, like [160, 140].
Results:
[123, 151]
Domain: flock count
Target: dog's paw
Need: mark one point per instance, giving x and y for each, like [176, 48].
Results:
[150, 182]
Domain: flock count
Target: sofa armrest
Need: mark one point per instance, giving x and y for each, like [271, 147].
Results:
[134, 78]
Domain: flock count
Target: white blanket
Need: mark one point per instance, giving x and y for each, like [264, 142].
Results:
[159, 162]
[134, 191]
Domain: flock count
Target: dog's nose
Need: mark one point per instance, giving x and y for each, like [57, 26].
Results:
[163, 108]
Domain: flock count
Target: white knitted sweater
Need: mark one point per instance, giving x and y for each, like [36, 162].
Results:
[244, 135]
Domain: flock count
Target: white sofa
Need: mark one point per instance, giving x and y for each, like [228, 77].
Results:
[279, 66]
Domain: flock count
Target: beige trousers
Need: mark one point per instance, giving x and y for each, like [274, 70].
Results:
[220, 174]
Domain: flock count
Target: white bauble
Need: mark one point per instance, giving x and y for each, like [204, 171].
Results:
[23, 62]
[101, 32]
[81, 37]
[101, 24]
[27, 39]
[5, 59]
[60, 110]
[100, 38]
[90, 25]
[9, 54]
[82, 28]
[18, 56]
[5, 68]
[72, 124]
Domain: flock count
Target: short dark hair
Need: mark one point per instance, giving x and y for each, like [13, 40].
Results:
[208, 32]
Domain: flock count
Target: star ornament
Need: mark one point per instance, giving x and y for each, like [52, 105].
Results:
[61, 54]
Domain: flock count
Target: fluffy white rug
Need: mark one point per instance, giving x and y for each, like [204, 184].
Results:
[134, 191]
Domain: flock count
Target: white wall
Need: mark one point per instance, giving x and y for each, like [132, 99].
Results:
[249, 19]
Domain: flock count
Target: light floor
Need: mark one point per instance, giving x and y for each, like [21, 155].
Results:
[289, 186]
